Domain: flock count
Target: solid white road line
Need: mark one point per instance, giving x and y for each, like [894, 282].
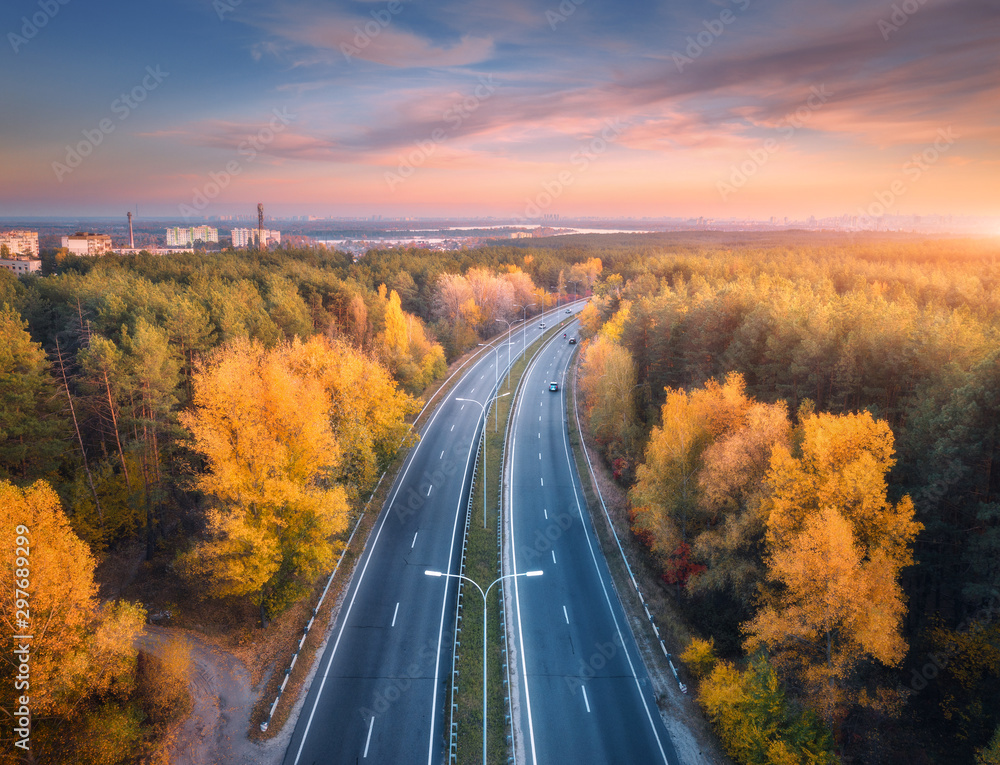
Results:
[369, 739]
[393, 620]
[414, 539]
[607, 599]
[370, 550]
[585, 701]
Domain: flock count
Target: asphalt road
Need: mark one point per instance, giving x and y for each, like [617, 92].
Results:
[378, 693]
[583, 692]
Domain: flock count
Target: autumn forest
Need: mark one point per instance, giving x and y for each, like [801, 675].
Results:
[806, 428]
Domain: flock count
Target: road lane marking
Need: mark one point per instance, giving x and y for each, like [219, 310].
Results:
[553, 556]
[585, 701]
[566, 615]
[463, 408]
[441, 455]
[539, 418]
[429, 489]
[357, 588]
[611, 610]
[394, 620]
[545, 510]
[369, 739]
[539, 455]
[542, 480]
[414, 539]
[452, 428]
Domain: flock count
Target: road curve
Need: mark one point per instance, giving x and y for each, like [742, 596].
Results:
[377, 695]
[583, 692]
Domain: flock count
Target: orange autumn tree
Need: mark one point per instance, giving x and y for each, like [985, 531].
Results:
[835, 548]
[275, 427]
[666, 499]
[79, 651]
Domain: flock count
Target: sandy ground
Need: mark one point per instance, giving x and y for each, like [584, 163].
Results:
[222, 696]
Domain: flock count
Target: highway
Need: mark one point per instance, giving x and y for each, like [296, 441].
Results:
[582, 691]
[378, 693]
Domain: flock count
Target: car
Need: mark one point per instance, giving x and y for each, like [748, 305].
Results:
[572, 341]
[568, 310]
[542, 325]
[553, 386]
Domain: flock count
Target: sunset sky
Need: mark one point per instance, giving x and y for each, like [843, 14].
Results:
[500, 107]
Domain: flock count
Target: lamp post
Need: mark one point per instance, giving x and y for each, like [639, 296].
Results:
[483, 407]
[508, 350]
[484, 594]
[524, 325]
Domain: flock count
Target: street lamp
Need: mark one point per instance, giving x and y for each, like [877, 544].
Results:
[524, 325]
[483, 407]
[508, 349]
[484, 594]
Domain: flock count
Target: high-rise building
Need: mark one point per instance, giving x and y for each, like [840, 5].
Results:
[184, 237]
[85, 243]
[247, 237]
[20, 242]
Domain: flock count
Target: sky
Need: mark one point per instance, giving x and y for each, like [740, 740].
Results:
[521, 108]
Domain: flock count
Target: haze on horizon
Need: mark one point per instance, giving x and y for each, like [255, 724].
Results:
[731, 108]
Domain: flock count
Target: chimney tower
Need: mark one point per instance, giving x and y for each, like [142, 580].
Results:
[131, 238]
[260, 227]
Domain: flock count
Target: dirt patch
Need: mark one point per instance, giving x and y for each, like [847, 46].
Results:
[222, 697]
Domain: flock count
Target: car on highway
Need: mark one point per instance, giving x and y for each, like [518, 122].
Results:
[572, 341]
[568, 310]
[554, 386]
[542, 325]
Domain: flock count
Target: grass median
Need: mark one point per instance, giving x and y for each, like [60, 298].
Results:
[482, 566]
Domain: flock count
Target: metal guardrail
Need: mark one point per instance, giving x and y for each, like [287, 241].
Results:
[621, 550]
[305, 632]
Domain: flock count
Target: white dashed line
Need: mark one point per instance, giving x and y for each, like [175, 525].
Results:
[545, 510]
[542, 480]
[429, 489]
[441, 456]
[566, 614]
[394, 619]
[585, 701]
[452, 428]
[553, 556]
[414, 539]
[369, 739]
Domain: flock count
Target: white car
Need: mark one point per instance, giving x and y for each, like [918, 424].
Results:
[568, 311]
[542, 325]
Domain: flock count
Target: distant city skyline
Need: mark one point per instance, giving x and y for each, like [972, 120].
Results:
[512, 108]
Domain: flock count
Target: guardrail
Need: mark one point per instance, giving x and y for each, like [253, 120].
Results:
[621, 550]
[305, 631]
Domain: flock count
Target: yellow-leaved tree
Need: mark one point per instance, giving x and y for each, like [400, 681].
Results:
[835, 548]
[79, 650]
[273, 426]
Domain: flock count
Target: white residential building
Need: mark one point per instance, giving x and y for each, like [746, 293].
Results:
[83, 243]
[20, 242]
[185, 237]
[247, 237]
[25, 266]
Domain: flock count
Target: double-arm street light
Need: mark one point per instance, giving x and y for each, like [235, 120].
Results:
[524, 325]
[483, 407]
[484, 594]
[508, 349]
